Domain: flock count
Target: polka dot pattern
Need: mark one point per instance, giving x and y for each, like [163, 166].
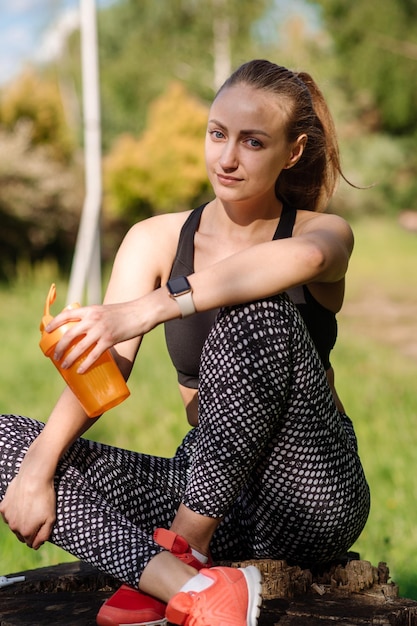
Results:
[272, 457]
[280, 459]
[109, 500]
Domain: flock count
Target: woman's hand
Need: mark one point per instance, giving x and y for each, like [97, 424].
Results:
[29, 508]
[97, 329]
[101, 327]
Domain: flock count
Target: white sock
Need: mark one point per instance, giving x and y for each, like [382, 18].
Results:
[197, 583]
[201, 557]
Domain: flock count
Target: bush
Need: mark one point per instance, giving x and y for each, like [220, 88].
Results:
[40, 202]
[163, 170]
[38, 101]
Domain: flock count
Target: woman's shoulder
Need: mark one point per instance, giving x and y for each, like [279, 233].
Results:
[163, 229]
[165, 223]
[153, 242]
[308, 221]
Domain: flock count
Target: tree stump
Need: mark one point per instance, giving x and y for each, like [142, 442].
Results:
[280, 580]
[349, 593]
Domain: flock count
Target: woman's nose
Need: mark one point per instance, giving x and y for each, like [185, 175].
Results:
[228, 158]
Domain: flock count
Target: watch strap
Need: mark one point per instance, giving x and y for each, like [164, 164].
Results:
[186, 303]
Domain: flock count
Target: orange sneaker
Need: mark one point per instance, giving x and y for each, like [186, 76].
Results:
[130, 607]
[233, 598]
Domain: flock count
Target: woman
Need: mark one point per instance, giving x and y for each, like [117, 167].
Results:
[271, 468]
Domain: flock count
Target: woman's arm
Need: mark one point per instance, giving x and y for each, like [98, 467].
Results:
[29, 503]
[318, 253]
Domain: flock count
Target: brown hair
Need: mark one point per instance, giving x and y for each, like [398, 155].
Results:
[311, 182]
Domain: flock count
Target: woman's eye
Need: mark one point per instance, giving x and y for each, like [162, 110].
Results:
[254, 143]
[216, 134]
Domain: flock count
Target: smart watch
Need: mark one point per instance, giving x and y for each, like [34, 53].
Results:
[180, 289]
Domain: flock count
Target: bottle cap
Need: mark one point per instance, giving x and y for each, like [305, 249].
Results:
[50, 299]
[49, 340]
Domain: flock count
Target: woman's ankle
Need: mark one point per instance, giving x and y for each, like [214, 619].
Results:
[195, 528]
[164, 576]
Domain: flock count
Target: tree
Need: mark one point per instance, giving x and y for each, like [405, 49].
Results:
[38, 101]
[377, 51]
[164, 169]
[41, 181]
[40, 202]
[146, 45]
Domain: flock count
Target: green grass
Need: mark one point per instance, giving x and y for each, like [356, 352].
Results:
[374, 377]
[150, 420]
[377, 382]
[384, 260]
[378, 386]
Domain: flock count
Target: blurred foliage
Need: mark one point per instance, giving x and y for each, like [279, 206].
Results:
[40, 202]
[41, 178]
[377, 52]
[144, 46]
[373, 156]
[364, 60]
[38, 100]
[165, 167]
[384, 168]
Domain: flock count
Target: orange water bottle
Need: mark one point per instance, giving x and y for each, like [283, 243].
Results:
[102, 386]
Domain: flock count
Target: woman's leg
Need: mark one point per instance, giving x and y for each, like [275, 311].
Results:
[273, 456]
[109, 501]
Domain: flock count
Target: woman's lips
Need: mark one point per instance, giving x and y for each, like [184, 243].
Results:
[228, 180]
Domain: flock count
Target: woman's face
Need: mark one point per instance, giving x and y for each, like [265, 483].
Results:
[246, 147]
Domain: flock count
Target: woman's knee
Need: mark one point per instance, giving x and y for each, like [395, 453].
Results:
[254, 344]
[251, 330]
[20, 426]
[17, 433]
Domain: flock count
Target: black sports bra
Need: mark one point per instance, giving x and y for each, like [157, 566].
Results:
[185, 337]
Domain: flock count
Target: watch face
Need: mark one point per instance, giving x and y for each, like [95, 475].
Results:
[178, 285]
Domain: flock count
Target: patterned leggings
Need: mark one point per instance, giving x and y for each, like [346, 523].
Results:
[271, 456]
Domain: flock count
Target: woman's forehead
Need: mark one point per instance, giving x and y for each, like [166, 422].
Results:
[243, 104]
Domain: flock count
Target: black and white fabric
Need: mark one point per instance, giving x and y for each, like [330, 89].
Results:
[272, 457]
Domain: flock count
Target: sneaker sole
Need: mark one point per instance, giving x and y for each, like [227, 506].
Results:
[254, 584]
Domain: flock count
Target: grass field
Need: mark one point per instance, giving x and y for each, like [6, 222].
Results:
[375, 362]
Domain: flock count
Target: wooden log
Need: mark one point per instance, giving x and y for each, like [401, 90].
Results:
[356, 609]
[355, 593]
[281, 580]
[69, 594]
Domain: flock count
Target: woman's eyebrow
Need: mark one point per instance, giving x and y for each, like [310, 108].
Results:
[255, 131]
[249, 131]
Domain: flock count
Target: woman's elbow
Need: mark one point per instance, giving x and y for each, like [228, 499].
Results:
[327, 265]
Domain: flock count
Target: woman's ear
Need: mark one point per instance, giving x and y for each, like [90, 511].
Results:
[296, 152]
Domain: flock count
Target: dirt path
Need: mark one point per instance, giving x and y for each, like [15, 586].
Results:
[385, 321]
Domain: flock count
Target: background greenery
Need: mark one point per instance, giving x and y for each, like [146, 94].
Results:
[160, 65]
[159, 69]
[376, 376]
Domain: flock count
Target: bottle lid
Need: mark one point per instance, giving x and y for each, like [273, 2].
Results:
[49, 340]
[50, 299]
